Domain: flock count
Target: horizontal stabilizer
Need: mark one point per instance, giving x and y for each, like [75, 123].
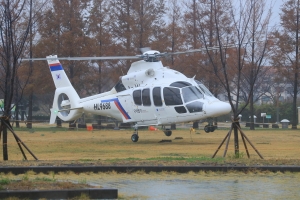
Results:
[68, 109]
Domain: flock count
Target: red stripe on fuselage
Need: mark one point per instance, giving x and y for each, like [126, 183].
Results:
[121, 110]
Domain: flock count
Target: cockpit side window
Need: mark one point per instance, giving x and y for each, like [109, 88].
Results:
[146, 97]
[180, 84]
[157, 96]
[191, 93]
[195, 106]
[172, 96]
[119, 87]
[137, 97]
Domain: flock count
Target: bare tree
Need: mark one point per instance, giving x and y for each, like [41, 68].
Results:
[136, 24]
[175, 34]
[98, 29]
[32, 33]
[148, 16]
[231, 70]
[286, 53]
[14, 30]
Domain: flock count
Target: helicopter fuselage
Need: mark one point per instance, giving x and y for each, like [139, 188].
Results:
[151, 94]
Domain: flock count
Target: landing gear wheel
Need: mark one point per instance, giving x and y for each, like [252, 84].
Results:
[207, 129]
[212, 129]
[134, 137]
[168, 132]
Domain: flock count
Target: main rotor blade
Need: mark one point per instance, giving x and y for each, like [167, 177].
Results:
[90, 58]
[145, 55]
[202, 49]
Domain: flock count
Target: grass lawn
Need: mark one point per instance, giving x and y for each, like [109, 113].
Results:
[49, 144]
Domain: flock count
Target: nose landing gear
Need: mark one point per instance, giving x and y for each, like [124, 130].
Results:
[209, 128]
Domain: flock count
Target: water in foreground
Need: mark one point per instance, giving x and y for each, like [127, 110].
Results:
[172, 185]
[203, 186]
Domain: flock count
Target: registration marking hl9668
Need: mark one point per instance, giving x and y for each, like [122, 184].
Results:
[102, 106]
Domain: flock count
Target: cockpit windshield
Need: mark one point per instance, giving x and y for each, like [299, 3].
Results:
[204, 89]
[184, 98]
[191, 93]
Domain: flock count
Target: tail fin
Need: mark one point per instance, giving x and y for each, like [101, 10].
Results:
[58, 74]
[66, 100]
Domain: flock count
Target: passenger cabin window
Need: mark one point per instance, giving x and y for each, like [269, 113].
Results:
[142, 97]
[146, 97]
[172, 96]
[156, 93]
[180, 84]
[191, 93]
[137, 97]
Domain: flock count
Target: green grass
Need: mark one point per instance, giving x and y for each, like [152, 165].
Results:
[187, 159]
[199, 159]
[41, 129]
[171, 158]
[86, 160]
[45, 179]
[123, 159]
[236, 156]
[167, 158]
[4, 181]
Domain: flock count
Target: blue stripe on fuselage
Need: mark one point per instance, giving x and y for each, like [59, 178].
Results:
[109, 100]
[119, 106]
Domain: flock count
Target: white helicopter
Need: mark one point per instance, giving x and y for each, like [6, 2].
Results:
[150, 94]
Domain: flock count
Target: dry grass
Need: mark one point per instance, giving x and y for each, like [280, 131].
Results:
[105, 145]
[42, 185]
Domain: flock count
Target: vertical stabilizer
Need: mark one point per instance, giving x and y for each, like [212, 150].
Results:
[58, 74]
[66, 100]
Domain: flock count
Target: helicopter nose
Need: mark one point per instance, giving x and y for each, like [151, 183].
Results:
[217, 108]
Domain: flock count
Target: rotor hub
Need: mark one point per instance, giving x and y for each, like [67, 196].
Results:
[151, 56]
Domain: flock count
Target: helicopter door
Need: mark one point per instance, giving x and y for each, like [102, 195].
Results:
[144, 111]
[125, 107]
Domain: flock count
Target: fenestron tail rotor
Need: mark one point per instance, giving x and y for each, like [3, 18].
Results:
[64, 104]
